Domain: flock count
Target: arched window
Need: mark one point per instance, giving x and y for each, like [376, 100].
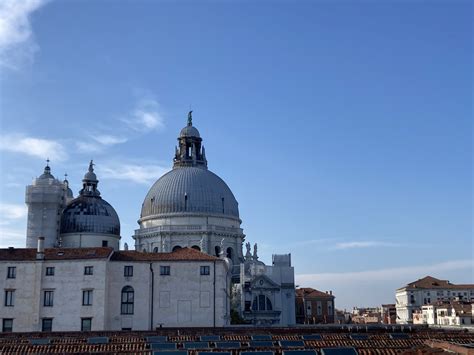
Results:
[217, 250]
[127, 300]
[155, 250]
[230, 253]
[177, 247]
[261, 303]
[196, 247]
[144, 250]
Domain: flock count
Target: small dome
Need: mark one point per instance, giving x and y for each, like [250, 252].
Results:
[189, 131]
[47, 173]
[90, 214]
[190, 190]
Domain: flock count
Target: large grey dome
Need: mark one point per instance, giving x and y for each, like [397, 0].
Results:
[190, 190]
[90, 214]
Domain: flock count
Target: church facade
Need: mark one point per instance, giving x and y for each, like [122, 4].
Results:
[187, 269]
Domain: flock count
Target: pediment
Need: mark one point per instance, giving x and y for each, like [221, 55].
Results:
[263, 281]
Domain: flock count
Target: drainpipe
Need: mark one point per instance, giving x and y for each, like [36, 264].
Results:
[152, 293]
[214, 293]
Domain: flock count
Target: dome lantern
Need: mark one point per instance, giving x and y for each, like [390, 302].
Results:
[190, 151]
[90, 182]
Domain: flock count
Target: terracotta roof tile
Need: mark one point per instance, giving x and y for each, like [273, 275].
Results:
[19, 254]
[311, 292]
[183, 254]
[433, 283]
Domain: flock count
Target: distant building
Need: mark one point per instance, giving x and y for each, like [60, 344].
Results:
[457, 313]
[428, 290]
[389, 313]
[370, 315]
[429, 314]
[314, 307]
[265, 294]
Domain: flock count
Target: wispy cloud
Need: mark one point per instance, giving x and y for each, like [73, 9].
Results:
[10, 211]
[32, 146]
[146, 116]
[99, 143]
[138, 173]
[364, 244]
[12, 217]
[381, 274]
[107, 139]
[17, 43]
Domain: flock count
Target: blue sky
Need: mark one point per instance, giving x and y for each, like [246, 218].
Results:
[344, 128]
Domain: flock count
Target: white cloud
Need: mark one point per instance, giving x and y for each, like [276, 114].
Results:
[106, 139]
[365, 244]
[98, 143]
[406, 273]
[9, 211]
[16, 37]
[12, 215]
[142, 174]
[36, 147]
[88, 147]
[146, 116]
[11, 238]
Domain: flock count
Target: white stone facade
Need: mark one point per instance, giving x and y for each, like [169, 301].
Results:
[265, 294]
[67, 289]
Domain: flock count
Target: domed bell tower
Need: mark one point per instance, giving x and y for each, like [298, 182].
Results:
[45, 198]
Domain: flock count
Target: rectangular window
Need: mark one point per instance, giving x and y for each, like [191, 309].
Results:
[9, 298]
[329, 308]
[205, 270]
[47, 325]
[7, 325]
[128, 271]
[87, 298]
[319, 308]
[11, 273]
[50, 271]
[88, 270]
[86, 324]
[165, 270]
[48, 298]
[105, 243]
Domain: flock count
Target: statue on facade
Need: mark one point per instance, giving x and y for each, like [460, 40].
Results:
[190, 118]
[201, 244]
[222, 247]
[255, 256]
[248, 254]
[125, 246]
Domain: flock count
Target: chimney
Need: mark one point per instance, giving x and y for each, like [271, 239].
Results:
[40, 250]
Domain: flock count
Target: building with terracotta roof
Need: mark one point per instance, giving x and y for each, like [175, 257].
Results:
[428, 290]
[74, 289]
[314, 307]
